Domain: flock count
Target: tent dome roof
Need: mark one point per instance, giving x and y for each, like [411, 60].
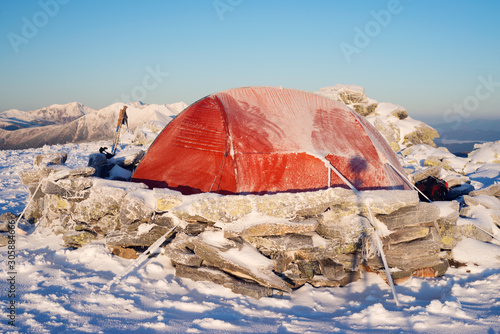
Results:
[267, 140]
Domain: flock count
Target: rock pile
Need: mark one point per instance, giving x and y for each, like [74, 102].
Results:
[255, 244]
[391, 120]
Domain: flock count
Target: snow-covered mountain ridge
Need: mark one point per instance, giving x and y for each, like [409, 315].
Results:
[67, 127]
[14, 119]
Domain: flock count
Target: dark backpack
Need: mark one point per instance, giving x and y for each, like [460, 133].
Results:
[432, 187]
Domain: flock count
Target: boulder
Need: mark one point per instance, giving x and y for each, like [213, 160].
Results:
[400, 113]
[487, 201]
[347, 94]
[166, 199]
[5, 219]
[130, 239]
[180, 251]
[57, 221]
[184, 258]
[425, 173]
[99, 162]
[77, 189]
[71, 173]
[436, 161]
[128, 161]
[422, 214]
[227, 209]
[58, 204]
[213, 275]
[364, 109]
[331, 270]
[4, 240]
[134, 209]
[195, 228]
[235, 259]
[47, 159]
[164, 220]
[126, 253]
[423, 134]
[453, 228]
[105, 225]
[406, 235]
[391, 134]
[456, 180]
[493, 190]
[119, 173]
[346, 231]
[272, 228]
[30, 176]
[433, 271]
[409, 256]
[78, 239]
[102, 201]
[321, 281]
[271, 246]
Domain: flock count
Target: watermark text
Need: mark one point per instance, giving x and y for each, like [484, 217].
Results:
[31, 26]
[11, 274]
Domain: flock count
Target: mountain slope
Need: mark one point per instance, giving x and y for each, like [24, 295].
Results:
[14, 119]
[94, 125]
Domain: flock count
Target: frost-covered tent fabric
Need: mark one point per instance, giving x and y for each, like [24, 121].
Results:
[268, 140]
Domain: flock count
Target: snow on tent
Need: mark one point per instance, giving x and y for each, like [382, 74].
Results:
[268, 140]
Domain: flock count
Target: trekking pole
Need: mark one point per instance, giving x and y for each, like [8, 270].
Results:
[140, 259]
[122, 118]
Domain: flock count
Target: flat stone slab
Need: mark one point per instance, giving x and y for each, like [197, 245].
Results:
[216, 276]
[241, 260]
[488, 201]
[272, 228]
[410, 255]
[423, 174]
[57, 158]
[422, 214]
[231, 208]
[406, 235]
[493, 190]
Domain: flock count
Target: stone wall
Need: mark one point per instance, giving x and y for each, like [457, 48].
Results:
[254, 245]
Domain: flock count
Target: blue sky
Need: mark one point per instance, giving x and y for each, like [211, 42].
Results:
[436, 58]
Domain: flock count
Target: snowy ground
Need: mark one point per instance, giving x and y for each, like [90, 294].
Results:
[57, 289]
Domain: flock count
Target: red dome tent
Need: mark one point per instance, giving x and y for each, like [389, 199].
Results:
[268, 140]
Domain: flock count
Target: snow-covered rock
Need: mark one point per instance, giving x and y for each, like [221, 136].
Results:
[486, 153]
[391, 120]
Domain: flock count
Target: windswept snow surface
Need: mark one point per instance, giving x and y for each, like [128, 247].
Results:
[57, 289]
